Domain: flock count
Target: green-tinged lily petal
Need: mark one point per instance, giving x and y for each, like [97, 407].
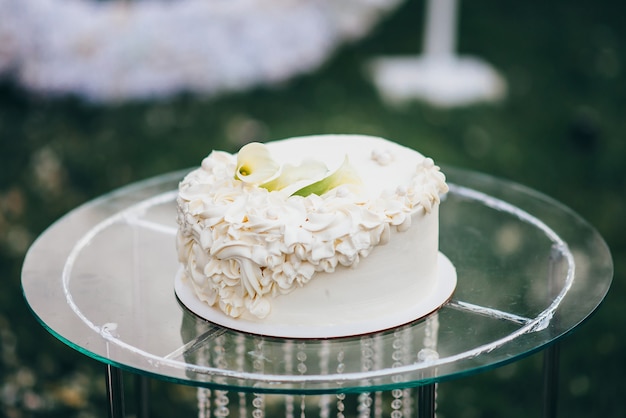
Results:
[291, 174]
[255, 165]
[345, 174]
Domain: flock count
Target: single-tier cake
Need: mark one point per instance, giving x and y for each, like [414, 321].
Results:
[319, 230]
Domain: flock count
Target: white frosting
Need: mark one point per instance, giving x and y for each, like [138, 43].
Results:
[242, 246]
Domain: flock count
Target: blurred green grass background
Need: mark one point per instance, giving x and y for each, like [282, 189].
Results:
[561, 130]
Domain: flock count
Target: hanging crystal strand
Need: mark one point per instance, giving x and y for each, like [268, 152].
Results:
[397, 357]
[407, 396]
[204, 402]
[396, 404]
[429, 352]
[324, 355]
[378, 363]
[221, 396]
[365, 404]
[203, 395]
[365, 398]
[288, 353]
[432, 332]
[302, 368]
[240, 350]
[259, 399]
[340, 396]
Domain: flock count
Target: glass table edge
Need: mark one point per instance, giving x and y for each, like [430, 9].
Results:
[302, 390]
[338, 389]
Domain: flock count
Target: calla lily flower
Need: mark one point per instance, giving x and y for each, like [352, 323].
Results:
[291, 174]
[255, 165]
[345, 174]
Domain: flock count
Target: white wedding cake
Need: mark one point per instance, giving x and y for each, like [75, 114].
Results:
[310, 234]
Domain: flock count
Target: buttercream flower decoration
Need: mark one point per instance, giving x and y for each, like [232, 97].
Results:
[255, 166]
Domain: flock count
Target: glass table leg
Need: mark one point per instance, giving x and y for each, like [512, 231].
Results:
[142, 392]
[115, 391]
[550, 380]
[551, 354]
[426, 401]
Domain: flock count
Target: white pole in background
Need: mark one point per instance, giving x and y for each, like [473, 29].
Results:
[439, 76]
[440, 30]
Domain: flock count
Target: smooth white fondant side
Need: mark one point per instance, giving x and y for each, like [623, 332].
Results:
[397, 275]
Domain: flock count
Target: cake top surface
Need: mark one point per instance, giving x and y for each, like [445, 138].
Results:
[380, 164]
[256, 230]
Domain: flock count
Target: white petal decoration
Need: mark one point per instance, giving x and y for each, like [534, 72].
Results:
[255, 164]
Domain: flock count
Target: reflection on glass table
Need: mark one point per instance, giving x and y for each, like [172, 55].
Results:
[529, 271]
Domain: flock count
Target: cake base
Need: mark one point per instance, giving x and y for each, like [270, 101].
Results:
[315, 325]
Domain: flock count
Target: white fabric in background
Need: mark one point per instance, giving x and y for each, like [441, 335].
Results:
[117, 50]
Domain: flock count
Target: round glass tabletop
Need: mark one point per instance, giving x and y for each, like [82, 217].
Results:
[101, 279]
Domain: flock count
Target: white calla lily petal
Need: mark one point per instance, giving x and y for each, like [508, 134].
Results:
[290, 174]
[345, 174]
[255, 164]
